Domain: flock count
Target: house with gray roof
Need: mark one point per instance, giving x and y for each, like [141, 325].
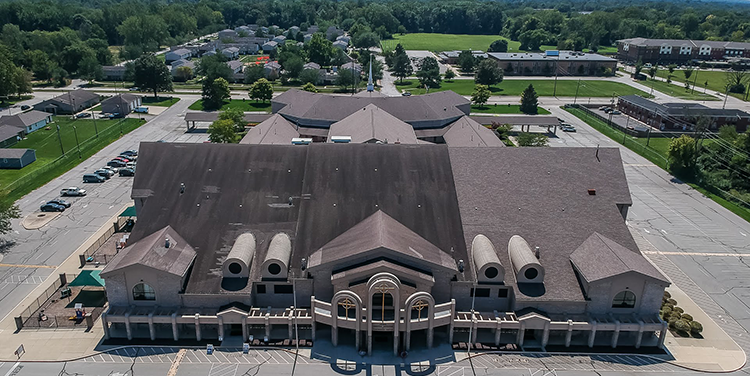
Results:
[406, 244]
[28, 121]
[231, 52]
[114, 72]
[122, 104]
[270, 45]
[272, 70]
[68, 103]
[280, 39]
[178, 54]
[16, 158]
[227, 34]
[340, 44]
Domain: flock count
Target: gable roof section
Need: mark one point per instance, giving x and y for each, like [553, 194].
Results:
[125, 98]
[380, 231]
[151, 252]
[373, 123]
[467, 132]
[274, 130]
[600, 258]
[77, 96]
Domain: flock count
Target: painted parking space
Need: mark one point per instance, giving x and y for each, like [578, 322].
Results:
[561, 362]
[196, 356]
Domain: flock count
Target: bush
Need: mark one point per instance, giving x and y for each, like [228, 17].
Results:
[674, 315]
[672, 301]
[678, 310]
[682, 326]
[696, 327]
[667, 295]
[672, 321]
[670, 305]
[666, 312]
[686, 317]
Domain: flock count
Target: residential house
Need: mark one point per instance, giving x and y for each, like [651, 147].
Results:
[207, 47]
[270, 46]
[333, 32]
[280, 39]
[181, 63]
[311, 65]
[122, 104]
[69, 103]
[351, 66]
[344, 38]
[16, 158]
[178, 54]
[340, 44]
[308, 37]
[294, 30]
[28, 121]
[272, 70]
[227, 34]
[312, 29]
[114, 72]
[567, 63]
[231, 52]
[209, 53]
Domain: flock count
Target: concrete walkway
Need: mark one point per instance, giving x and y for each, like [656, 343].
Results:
[715, 352]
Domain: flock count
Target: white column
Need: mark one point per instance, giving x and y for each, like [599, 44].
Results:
[592, 334]
[244, 329]
[175, 330]
[220, 319]
[569, 334]
[545, 335]
[151, 330]
[616, 335]
[127, 326]
[639, 338]
[198, 326]
[521, 333]
[312, 314]
[498, 331]
[105, 325]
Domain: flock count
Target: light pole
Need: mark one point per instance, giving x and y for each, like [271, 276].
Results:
[93, 116]
[554, 89]
[726, 95]
[59, 139]
[577, 86]
[78, 145]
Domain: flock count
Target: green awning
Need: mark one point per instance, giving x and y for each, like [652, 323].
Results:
[129, 212]
[88, 278]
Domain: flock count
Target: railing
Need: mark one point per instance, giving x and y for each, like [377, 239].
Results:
[90, 255]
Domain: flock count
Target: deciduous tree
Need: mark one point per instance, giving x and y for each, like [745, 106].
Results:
[151, 74]
[401, 63]
[500, 45]
[253, 73]
[681, 155]
[214, 93]
[488, 73]
[222, 131]
[481, 95]
[8, 212]
[261, 90]
[466, 61]
[429, 73]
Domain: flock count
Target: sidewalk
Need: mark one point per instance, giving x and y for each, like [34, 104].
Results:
[715, 352]
[52, 344]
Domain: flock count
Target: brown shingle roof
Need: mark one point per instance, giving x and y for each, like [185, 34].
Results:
[24, 119]
[373, 123]
[274, 130]
[151, 251]
[600, 257]
[467, 132]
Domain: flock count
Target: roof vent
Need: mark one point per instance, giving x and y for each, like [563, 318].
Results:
[166, 243]
[303, 265]
[461, 266]
[592, 192]
[182, 188]
[341, 139]
[536, 252]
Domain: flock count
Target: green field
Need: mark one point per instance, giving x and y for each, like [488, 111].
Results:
[716, 80]
[244, 105]
[447, 42]
[503, 109]
[544, 88]
[47, 146]
[679, 91]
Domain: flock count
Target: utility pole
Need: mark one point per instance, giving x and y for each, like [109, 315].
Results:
[60, 139]
[726, 95]
[695, 80]
[93, 116]
[78, 145]
[557, 62]
[577, 86]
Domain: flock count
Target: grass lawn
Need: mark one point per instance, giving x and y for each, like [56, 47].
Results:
[47, 147]
[159, 101]
[503, 109]
[544, 88]
[244, 105]
[716, 80]
[447, 42]
[679, 91]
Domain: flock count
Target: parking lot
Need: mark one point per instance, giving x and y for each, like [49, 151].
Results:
[197, 356]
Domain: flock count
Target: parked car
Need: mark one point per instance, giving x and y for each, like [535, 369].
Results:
[615, 112]
[134, 88]
[130, 152]
[568, 128]
[115, 115]
[602, 108]
[93, 178]
[131, 158]
[73, 191]
[50, 207]
[127, 171]
[130, 165]
[406, 94]
[25, 107]
[116, 163]
[82, 115]
[59, 201]
[113, 169]
[104, 173]
[141, 110]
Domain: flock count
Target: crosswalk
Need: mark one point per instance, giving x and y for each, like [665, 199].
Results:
[196, 356]
[22, 279]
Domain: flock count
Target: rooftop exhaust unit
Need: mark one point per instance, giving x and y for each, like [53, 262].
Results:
[341, 139]
[301, 141]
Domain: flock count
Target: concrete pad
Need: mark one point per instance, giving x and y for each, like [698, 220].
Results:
[715, 352]
[156, 110]
[37, 220]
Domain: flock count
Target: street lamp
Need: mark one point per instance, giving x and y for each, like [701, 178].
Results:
[577, 86]
[78, 145]
[93, 116]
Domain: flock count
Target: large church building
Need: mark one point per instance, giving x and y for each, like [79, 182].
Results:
[395, 245]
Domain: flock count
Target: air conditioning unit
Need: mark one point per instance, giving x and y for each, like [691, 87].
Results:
[341, 139]
[301, 141]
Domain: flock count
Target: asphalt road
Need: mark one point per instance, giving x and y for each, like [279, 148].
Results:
[53, 243]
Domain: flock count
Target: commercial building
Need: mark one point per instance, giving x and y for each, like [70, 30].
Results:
[122, 104]
[680, 116]
[676, 51]
[567, 63]
[383, 246]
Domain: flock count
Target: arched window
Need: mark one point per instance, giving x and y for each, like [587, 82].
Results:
[143, 291]
[624, 299]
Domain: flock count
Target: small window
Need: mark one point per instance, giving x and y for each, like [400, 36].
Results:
[282, 289]
[143, 291]
[502, 293]
[274, 269]
[235, 268]
[481, 293]
[624, 299]
[260, 289]
[491, 272]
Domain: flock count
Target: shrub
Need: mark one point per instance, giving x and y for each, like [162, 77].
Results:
[678, 309]
[672, 321]
[682, 326]
[672, 301]
[686, 317]
[674, 315]
[667, 295]
[670, 305]
[696, 327]
[666, 312]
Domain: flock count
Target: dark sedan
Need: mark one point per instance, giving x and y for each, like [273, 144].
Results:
[49, 207]
[61, 202]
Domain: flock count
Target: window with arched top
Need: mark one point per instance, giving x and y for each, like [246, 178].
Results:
[624, 299]
[143, 291]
